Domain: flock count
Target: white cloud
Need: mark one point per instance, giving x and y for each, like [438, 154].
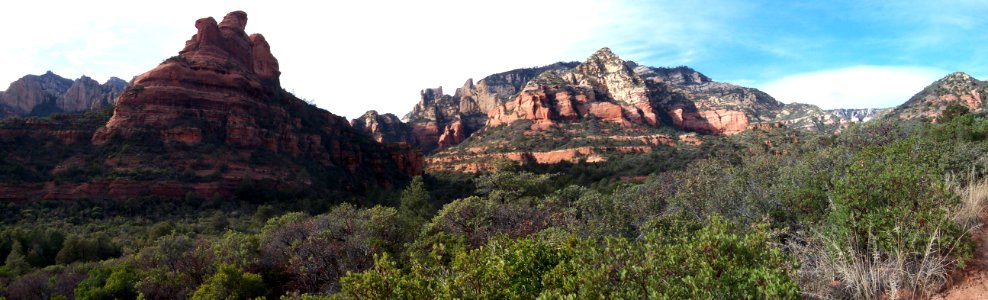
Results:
[854, 87]
[669, 32]
[352, 56]
[348, 56]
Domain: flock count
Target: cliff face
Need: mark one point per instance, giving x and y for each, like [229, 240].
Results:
[959, 88]
[34, 93]
[216, 113]
[625, 93]
[42, 95]
[87, 94]
[386, 128]
[614, 91]
[437, 117]
[439, 121]
[601, 102]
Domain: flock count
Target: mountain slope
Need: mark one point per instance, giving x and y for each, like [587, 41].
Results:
[809, 117]
[607, 105]
[959, 88]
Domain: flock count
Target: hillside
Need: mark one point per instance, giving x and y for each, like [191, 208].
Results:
[957, 88]
[811, 118]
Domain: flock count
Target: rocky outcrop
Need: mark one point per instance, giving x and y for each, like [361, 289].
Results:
[547, 106]
[386, 128]
[42, 95]
[439, 120]
[495, 90]
[959, 88]
[35, 95]
[87, 94]
[858, 115]
[616, 102]
[621, 92]
[719, 121]
[812, 118]
[216, 116]
[436, 113]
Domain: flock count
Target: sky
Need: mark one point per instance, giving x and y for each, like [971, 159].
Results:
[352, 56]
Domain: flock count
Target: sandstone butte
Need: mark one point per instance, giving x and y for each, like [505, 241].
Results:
[222, 92]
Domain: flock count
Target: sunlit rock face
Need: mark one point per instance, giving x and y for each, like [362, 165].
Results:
[34, 95]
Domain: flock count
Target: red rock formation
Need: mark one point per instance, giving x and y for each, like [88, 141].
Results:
[64, 130]
[604, 98]
[453, 135]
[610, 89]
[546, 106]
[185, 135]
[436, 113]
[484, 161]
[535, 104]
[609, 112]
[386, 128]
[710, 121]
[221, 95]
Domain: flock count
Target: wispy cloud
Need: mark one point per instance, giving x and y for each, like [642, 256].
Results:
[854, 87]
[665, 32]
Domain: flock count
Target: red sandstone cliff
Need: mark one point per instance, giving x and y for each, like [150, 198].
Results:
[216, 115]
[620, 92]
[607, 101]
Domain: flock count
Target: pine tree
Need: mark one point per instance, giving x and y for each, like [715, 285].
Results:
[16, 261]
[415, 208]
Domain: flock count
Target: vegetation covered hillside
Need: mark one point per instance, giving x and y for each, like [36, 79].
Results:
[879, 211]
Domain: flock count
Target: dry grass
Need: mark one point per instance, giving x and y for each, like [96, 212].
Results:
[974, 196]
[829, 269]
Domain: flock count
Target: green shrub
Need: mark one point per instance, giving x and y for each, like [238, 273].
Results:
[894, 194]
[716, 262]
[231, 283]
[108, 283]
[719, 261]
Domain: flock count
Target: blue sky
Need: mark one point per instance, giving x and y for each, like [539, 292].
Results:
[351, 57]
